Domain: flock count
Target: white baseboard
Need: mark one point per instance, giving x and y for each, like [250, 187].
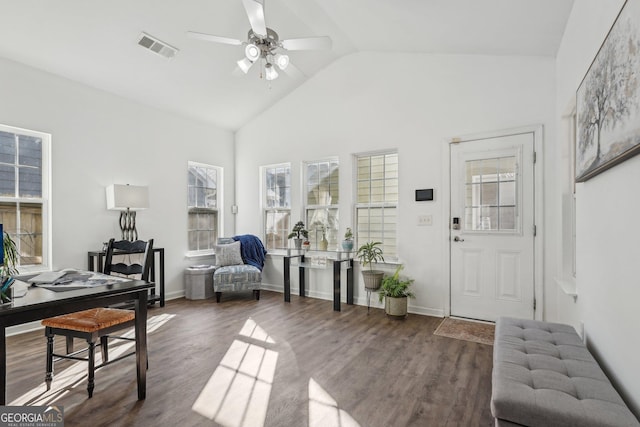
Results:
[362, 301]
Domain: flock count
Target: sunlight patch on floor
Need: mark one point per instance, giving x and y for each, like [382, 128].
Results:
[324, 411]
[76, 374]
[237, 393]
[252, 330]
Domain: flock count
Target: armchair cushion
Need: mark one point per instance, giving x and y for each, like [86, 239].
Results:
[236, 278]
[228, 254]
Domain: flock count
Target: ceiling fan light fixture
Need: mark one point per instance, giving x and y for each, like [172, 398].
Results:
[245, 64]
[252, 52]
[270, 72]
[282, 61]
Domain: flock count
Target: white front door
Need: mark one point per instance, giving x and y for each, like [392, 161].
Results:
[492, 227]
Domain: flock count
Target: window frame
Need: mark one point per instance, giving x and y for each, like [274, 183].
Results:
[265, 210]
[198, 209]
[314, 234]
[44, 200]
[389, 257]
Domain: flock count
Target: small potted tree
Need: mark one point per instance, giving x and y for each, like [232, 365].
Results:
[347, 243]
[9, 268]
[368, 254]
[395, 292]
[297, 233]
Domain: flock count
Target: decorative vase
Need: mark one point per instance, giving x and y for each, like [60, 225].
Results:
[347, 245]
[324, 243]
[396, 307]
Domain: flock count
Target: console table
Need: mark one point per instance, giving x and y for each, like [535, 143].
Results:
[153, 297]
[341, 257]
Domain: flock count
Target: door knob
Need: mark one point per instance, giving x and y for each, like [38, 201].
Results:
[458, 239]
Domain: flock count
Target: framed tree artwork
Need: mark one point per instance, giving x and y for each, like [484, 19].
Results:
[608, 99]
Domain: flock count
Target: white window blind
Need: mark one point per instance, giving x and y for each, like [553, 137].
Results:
[377, 200]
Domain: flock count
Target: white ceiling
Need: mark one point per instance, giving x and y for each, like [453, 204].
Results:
[95, 42]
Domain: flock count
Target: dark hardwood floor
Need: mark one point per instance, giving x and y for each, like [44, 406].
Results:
[318, 368]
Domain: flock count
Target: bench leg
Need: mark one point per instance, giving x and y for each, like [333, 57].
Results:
[256, 292]
[104, 348]
[49, 373]
[218, 295]
[91, 370]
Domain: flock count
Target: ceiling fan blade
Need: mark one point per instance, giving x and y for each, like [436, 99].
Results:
[212, 38]
[307, 43]
[255, 13]
[293, 71]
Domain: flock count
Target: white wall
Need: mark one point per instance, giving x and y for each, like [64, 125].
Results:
[410, 102]
[100, 139]
[608, 271]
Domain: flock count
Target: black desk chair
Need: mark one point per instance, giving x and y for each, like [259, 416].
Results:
[98, 323]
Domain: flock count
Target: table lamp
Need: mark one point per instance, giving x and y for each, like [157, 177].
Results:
[127, 199]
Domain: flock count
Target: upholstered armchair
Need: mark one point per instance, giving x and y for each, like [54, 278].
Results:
[239, 263]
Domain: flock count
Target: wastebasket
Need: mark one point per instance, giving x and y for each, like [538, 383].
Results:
[198, 282]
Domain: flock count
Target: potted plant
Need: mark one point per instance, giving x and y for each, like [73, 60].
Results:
[297, 233]
[347, 243]
[11, 257]
[395, 292]
[368, 254]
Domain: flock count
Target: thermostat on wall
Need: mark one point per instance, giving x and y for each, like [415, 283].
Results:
[424, 194]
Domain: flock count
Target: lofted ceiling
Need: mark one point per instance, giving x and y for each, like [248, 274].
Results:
[95, 42]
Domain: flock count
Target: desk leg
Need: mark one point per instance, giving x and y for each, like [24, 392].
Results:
[336, 285]
[287, 279]
[141, 343]
[302, 273]
[3, 367]
[350, 283]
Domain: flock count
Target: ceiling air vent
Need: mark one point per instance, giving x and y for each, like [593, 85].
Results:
[157, 46]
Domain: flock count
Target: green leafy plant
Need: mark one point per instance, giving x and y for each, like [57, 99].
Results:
[11, 257]
[298, 231]
[348, 235]
[370, 253]
[395, 286]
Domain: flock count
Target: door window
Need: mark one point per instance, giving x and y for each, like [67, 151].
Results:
[491, 202]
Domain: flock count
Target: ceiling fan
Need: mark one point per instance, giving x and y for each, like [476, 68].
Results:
[263, 44]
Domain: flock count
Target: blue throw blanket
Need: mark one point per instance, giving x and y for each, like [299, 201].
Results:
[252, 250]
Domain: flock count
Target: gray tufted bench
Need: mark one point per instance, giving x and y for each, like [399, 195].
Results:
[543, 375]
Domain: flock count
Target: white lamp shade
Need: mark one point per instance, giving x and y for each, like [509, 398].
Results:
[244, 65]
[121, 197]
[270, 72]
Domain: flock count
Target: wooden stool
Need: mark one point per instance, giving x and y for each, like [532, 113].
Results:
[88, 325]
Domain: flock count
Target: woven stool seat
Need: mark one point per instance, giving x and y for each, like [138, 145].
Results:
[91, 320]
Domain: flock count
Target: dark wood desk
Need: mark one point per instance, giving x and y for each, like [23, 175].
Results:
[41, 303]
[153, 297]
[346, 257]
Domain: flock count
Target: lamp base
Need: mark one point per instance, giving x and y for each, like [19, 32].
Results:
[128, 225]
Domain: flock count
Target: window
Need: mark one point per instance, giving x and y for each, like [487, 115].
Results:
[377, 201]
[276, 204]
[491, 202]
[322, 196]
[24, 194]
[204, 188]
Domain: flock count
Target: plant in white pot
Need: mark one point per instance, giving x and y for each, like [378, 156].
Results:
[368, 254]
[297, 233]
[396, 293]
